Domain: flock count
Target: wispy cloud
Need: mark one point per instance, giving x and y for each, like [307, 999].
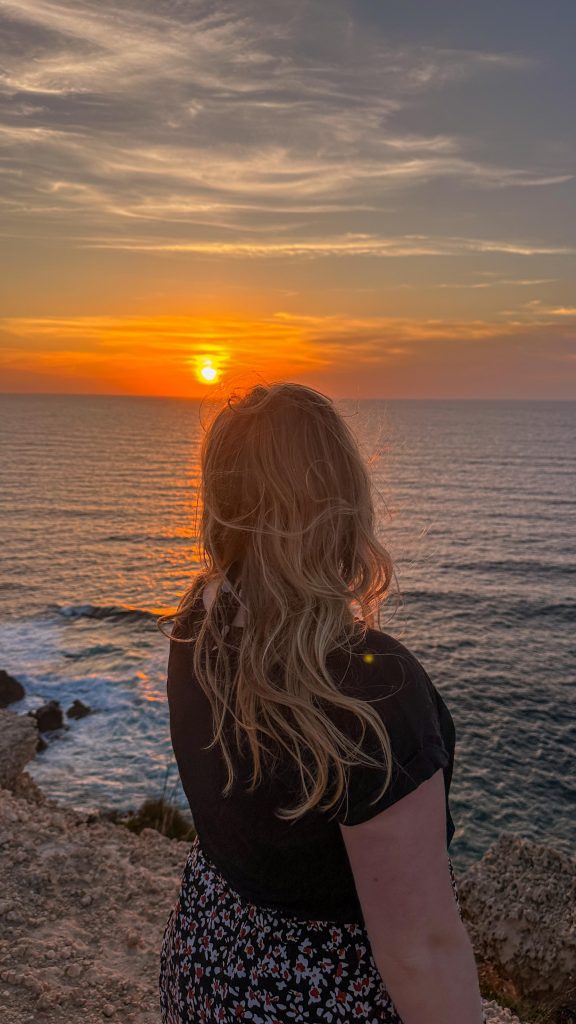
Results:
[348, 245]
[504, 282]
[224, 121]
[363, 337]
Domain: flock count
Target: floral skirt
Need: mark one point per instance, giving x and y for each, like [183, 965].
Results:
[225, 959]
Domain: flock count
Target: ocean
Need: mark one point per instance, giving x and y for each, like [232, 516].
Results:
[476, 503]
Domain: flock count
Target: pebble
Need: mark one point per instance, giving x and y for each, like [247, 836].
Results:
[32, 983]
[74, 971]
[86, 900]
[108, 1010]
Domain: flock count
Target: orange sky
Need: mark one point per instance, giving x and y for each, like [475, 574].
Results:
[375, 204]
[346, 355]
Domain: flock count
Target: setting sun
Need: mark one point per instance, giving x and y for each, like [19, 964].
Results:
[208, 373]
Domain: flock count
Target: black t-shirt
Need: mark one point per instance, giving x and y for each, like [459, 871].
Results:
[301, 868]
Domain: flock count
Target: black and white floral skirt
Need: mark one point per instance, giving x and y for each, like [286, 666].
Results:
[225, 959]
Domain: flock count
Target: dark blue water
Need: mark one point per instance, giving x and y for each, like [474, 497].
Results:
[476, 502]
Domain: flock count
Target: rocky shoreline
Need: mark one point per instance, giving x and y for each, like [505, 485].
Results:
[84, 902]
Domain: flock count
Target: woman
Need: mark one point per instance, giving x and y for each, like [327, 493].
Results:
[315, 752]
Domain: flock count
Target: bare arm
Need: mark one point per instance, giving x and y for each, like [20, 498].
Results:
[419, 941]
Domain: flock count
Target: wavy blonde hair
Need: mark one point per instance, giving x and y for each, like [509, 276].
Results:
[287, 532]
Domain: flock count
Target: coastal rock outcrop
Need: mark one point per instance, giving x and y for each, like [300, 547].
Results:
[10, 689]
[82, 910]
[82, 913]
[49, 716]
[83, 904]
[519, 903]
[78, 710]
[18, 739]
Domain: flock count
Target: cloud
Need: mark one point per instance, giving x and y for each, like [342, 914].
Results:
[568, 311]
[348, 245]
[536, 310]
[365, 337]
[224, 121]
[505, 282]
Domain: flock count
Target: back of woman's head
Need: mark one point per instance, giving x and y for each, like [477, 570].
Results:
[287, 535]
[287, 507]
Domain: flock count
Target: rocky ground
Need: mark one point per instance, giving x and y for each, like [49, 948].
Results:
[82, 911]
[83, 906]
[84, 902]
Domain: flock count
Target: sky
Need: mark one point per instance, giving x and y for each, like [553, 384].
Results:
[373, 197]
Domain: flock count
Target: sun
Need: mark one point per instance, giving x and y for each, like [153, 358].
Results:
[208, 373]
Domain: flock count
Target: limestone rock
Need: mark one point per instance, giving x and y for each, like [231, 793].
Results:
[74, 957]
[49, 716]
[67, 960]
[78, 710]
[27, 789]
[18, 737]
[519, 903]
[10, 689]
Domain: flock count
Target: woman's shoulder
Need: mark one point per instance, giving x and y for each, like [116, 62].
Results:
[379, 658]
[385, 672]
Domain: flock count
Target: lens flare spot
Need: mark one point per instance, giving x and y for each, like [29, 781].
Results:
[368, 658]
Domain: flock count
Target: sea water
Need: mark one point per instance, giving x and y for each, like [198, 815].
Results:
[475, 500]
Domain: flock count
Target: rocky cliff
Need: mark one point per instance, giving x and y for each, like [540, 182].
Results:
[84, 902]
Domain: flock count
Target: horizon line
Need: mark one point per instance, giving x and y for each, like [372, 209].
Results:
[345, 398]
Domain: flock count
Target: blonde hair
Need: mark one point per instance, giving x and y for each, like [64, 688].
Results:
[287, 532]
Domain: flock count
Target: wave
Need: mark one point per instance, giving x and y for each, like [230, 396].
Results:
[510, 567]
[564, 611]
[494, 610]
[93, 652]
[118, 613]
[137, 538]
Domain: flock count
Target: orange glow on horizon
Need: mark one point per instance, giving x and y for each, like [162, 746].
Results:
[352, 356]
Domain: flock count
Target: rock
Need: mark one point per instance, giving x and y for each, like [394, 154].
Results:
[496, 1014]
[10, 689]
[78, 710]
[33, 984]
[18, 737]
[519, 903]
[65, 963]
[52, 859]
[27, 789]
[49, 716]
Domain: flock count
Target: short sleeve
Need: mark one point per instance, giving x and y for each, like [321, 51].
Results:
[399, 689]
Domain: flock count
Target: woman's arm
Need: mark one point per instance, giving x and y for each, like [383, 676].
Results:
[419, 941]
